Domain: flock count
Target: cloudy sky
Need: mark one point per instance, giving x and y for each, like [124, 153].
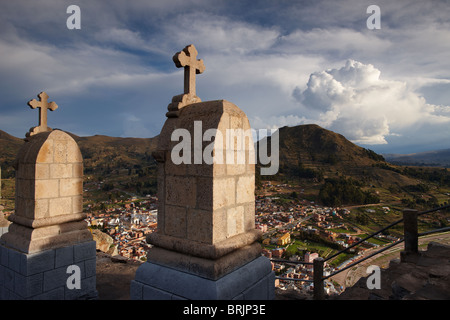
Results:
[282, 62]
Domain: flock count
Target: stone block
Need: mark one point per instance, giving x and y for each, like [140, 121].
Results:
[60, 152]
[136, 290]
[204, 193]
[224, 192]
[87, 290]
[25, 207]
[2, 276]
[249, 281]
[245, 189]
[77, 169]
[44, 275]
[220, 231]
[45, 153]
[204, 267]
[180, 191]
[234, 168]
[64, 256]
[174, 169]
[42, 171]
[90, 267]
[58, 277]
[257, 292]
[60, 206]
[73, 153]
[27, 287]
[77, 204]
[235, 221]
[84, 251]
[25, 188]
[249, 216]
[199, 225]
[55, 294]
[4, 256]
[8, 279]
[60, 170]
[151, 293]
[41, 209]
[37, 262]
[219, 168]
[70, 187]
[46, 188]
[15, 259]
[175, 221]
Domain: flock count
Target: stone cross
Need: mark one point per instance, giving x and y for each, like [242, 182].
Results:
[188, 59]
[43, 105]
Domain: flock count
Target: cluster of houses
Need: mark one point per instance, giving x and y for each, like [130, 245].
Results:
[278, 220]
[128, 224]
[301, 273]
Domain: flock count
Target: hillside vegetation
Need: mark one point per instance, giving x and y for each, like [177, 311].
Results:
[330, 168]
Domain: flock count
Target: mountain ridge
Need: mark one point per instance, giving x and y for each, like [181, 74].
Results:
[438, 158]
[309, 155]
[310, 151]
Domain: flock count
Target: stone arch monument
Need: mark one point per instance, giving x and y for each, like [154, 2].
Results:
[206, 246]
[48, 233]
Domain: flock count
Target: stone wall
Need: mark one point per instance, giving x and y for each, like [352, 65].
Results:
[44, 275]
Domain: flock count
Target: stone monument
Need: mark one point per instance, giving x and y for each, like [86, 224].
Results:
[48, 237]
[206, 245]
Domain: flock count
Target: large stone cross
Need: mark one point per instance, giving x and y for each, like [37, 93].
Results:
[188, 59]
[43, 105]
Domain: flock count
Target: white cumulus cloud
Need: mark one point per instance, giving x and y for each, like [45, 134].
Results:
[357, 102]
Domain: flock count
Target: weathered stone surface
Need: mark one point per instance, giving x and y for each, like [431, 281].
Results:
[251, 281]
[204, 250]
[43, 275]
[49, 188]
[224, 189]
[206, 208]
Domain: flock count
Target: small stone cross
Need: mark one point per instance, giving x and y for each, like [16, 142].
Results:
[188, 59]
[43, 105]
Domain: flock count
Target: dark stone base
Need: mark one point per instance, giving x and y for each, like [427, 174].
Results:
[252, 281]
[45, 275]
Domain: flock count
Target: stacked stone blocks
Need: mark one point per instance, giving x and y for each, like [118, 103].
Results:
[48, 241]
[49, 201]
[44, 275]
[206, 245]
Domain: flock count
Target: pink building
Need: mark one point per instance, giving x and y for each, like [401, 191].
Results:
[309, 257]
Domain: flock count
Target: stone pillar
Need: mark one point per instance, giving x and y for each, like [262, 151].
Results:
[48, 233]
[411, 251]
[206, 243]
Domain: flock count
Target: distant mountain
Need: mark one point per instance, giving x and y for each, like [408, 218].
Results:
[310, 151]
[437, 158]
[9, 146]
[101, 154]
[306, 152]
[104, 153]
